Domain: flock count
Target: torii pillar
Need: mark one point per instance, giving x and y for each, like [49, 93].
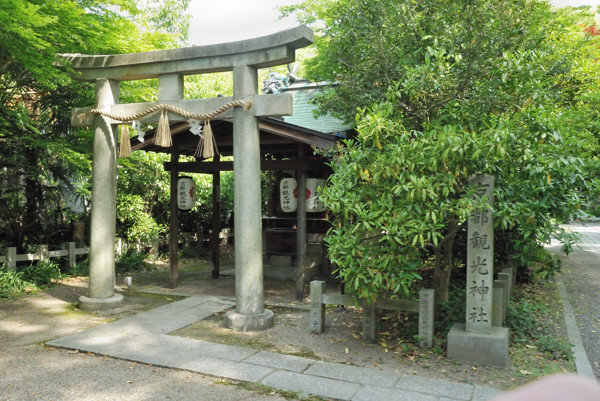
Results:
[244, 58]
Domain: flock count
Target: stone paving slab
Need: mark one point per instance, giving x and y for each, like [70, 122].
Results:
[355, 374]
[452, 390]
[372, 393]
[321, 386]
[228, 369]
[482, 393]
[280, 361]
[142, 338]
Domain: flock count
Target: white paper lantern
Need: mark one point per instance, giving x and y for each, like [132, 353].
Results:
[186, 193]
[313, 203]
[287, 189]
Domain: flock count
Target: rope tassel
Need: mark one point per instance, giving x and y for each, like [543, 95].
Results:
[125, 145]
[207, 145]
[163, 132]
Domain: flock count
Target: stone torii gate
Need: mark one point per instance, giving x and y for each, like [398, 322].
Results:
[244, 58]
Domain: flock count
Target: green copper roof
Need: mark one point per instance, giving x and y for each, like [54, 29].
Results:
[303, 116]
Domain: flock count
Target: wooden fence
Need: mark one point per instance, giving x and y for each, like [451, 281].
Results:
[42, 253]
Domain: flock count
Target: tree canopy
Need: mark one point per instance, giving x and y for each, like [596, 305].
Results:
[40, 151]
[442, 90]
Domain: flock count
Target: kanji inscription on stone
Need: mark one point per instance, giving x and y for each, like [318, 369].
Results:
[480, 258]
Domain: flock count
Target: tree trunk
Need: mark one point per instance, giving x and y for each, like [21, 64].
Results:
[445, 270]
[34, 198]
[443, 264]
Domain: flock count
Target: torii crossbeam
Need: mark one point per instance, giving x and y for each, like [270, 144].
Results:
[244, 58]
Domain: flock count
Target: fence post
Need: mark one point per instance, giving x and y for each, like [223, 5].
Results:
[42, 250]
[71, 258]
[317, 308]
[11, 258]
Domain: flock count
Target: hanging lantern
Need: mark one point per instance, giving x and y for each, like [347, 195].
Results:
[287, 187]
[186, 193]
[314, 203]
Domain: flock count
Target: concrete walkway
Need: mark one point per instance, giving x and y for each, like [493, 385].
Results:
[144, 338]
[579, 288]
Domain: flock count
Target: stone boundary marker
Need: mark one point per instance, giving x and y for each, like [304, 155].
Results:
[424, 307]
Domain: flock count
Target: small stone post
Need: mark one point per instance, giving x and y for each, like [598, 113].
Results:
[502, 284]
[104, 205]
[478, 340]
[317, 307]
[369, 321]
[498, 306]
[71, 256]
[11, 258]
[513, 278]
[250, 314]
[508, 278]
[426, 317]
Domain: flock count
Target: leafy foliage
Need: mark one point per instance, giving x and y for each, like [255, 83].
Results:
[43, 273]
[131, 261]
[12, 283]
[44, 161]
[530, 318]
[445, 91]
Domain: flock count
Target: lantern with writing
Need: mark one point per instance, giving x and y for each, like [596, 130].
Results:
[314, 203]
[289, 203]
[186, 193]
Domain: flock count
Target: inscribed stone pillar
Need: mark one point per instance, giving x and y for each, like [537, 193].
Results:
[478, 340]
[250, 313]
[480, 259]
[104, 197]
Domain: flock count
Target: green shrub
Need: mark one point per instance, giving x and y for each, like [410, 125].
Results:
[522, 319]
[131, 261]
[81, 269]
[43, 273]
[555, 348]
[12, 283]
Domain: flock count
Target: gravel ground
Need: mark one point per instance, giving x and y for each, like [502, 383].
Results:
[31, 371]
[581, 274]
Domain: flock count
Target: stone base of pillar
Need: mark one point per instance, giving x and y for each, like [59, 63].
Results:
[259, 322]
[488, 349]
[100, 304]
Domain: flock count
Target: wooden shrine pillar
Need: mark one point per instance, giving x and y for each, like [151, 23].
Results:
[174, 224]
[216, 211]
[300, 226]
